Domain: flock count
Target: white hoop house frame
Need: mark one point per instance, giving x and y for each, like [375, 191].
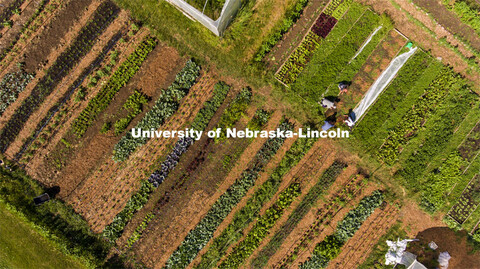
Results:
[218, 26]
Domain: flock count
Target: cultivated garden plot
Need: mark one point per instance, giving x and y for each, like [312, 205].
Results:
[77, 75]
[371, 70]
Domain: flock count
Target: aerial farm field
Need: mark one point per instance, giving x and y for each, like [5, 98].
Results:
[77, 75]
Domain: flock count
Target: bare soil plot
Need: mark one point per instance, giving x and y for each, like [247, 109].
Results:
[55, 34]
[447, 240]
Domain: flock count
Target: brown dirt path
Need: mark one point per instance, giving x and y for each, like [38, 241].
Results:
[358, 248]
[166, 240]
[414, 32]
[416, 220]
[64, 85]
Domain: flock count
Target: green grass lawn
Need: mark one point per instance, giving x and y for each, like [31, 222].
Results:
[22, 247]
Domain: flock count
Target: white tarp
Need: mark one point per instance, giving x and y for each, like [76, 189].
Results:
[229, 11]
[366, 42]
[443, 259]
[395, 251]
[382, 82]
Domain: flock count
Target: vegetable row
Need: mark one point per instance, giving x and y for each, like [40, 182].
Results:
[262, 228]
[421, 110]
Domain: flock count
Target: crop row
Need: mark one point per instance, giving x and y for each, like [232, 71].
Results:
[283, 27]
[440, 128]
[467, 203]
[298, 59]
[164, 107]
[262, 228]
[57, 108]
[118, 80]
[471, 146]
[327, 63]
[138, 200]
[334, 4]
[203, 231]
[234, 112]
[30, 27]
[134, 106]
[392, 98]
[330, 247]
[439, 181]
[415, 117]
[341, 9]
[314, 194]
[139, 230]
[25, 26]
[251, 210]
[11, 85]
[82, 44]
[9, 11]
[323, 25]
[323, 217]
[467, 11]
[294, 65]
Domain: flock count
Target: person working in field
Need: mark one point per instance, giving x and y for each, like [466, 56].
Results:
[328, 104]
[342, 87]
